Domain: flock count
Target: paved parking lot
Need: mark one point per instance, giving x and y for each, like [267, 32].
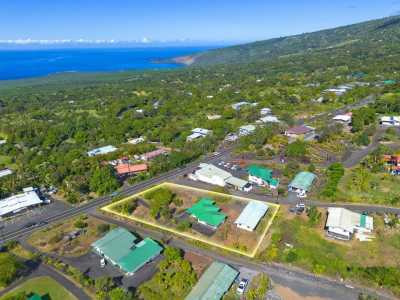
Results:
[33, 215]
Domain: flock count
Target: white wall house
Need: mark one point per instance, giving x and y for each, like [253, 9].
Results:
[210, 174]
[101, 150]
[343, 223]
[251, 215]
[17, 203]
[246, 130]
[198, 133]
[390, 121]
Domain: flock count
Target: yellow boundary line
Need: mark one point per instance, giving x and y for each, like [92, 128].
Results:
[109, 209]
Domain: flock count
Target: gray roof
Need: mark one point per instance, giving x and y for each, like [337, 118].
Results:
[303, 180]
[237, 182]
[208, 170]
[252, 214]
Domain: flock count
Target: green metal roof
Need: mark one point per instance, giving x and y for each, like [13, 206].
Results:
[206, 211]
[263, 173]
[116, 244]
[143, 252]
[35, 297]
[119, 246]
[214, 283]
[363, 220]
[303, 180]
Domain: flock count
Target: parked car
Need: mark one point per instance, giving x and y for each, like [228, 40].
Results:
[103, 263]
[242, 286]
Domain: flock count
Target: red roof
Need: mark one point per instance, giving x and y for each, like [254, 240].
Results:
[302, 129]
[123, 169]
[155, 153]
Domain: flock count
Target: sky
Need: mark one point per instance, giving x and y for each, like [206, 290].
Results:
[170, 20]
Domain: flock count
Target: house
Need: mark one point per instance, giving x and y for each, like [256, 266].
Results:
[390, 121]
[210, 174]
[239, 184]
[35, 296]
[101, 151]
[153, 154]
[302, 183]
[343, 119]
[303, 131]
[136, 141]
[214, 117]
[343, 223]
[123, 249]
[239, 105]
[268, 119]
[231, 137]
[17, 203]
[207, 213]
[127, 169]
[246, 130]
[2, 142]
[198, 133]
[265, 111]
[251, 215]
[214, 283]
[262, 176]
[5, 172]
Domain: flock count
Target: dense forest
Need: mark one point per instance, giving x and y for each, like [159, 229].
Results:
[50, 123]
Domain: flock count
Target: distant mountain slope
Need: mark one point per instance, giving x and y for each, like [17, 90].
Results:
[374, 35]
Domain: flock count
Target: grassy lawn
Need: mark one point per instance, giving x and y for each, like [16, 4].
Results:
[54, 239]
[362, 186]
[295, 241]
[42, 286]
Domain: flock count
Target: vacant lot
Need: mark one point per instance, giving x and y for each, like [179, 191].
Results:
[43, 286]
[70, 238]
[298, 241]
[165, 206]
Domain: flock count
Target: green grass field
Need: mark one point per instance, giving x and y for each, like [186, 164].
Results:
[42, 286]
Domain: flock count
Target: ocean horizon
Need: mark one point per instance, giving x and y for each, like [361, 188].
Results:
[22, 64]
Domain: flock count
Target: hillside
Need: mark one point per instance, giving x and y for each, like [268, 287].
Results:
[375, 37]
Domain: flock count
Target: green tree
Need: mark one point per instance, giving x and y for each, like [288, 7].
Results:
[103, 181]
[9, 268]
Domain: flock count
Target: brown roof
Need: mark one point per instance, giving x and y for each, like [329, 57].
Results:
[302, 129]
[155, 153]
[123, 169]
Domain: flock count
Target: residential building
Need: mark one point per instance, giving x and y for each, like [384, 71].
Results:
[268, 119]
[231, 137]
[207, 213]
[239, 184]
[153, 154]
[2, 142]
[214, 282]
[5, 172]
[301, 132]
[17, 203]
[262, 176]
[251, 215]
[198, 133]
[210, 174]
[136, 141]
[265, 111]
[302, 183]
[35, 296]
[123, 249]
[101, 151]
[343, 223]
[127, 169]
[239, 105]
[390, 121]
[246, 130]
[214, 117]
[344, 119]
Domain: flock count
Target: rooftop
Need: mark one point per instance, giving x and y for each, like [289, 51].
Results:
[214, 283]
[252, 214]
[123, 169]
[19, 202]
[302, 129]
[102, 150]
[208, 170]
[303, 180]
[347, 219]
[205, 210]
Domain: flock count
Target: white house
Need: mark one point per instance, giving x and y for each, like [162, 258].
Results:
[344, 119]
[268, 119]
[343, 223]
[210, 174]
[239, 105]
[239, 184]
[136, 141]
[246, 130]
[2, 142]
[5, 172]
[198, 133]
[390, 121]
[251, 215]
[214, 117]
[17, 203]
[265, 111]
[101, 150]
[231, 137]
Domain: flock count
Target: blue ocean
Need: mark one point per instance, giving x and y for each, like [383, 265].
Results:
[17, 64]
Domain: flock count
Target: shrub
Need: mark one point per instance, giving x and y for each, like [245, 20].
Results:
[102, 228]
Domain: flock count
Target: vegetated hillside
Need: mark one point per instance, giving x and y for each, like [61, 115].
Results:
[377, 36]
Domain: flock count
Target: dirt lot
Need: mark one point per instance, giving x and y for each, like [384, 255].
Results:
[59, 238]
[199, 263]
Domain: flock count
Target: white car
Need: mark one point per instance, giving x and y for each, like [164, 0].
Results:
[103, 263]
[242, 286]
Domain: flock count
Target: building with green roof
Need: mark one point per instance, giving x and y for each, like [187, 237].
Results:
[35, 296]
[302, 183]
[121, 248]
[262, 176]
[207, 212]
[214, 283]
